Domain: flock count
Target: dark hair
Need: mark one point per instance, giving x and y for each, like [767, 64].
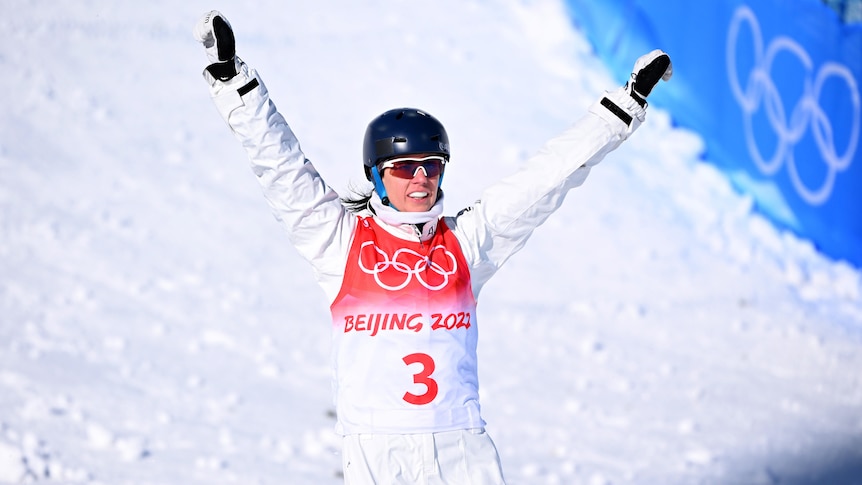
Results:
[358, 199]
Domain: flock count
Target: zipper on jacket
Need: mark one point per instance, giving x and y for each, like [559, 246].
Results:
[418, 228]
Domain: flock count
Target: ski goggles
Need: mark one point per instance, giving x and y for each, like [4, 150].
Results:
[408, 167]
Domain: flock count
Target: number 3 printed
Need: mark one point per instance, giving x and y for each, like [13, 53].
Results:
[422, 377]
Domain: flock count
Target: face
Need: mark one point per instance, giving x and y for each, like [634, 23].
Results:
[418, 193]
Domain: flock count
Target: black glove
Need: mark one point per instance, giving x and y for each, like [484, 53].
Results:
[648, 70]
[215, 33]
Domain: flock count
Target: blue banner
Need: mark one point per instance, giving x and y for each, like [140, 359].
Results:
[773, 86]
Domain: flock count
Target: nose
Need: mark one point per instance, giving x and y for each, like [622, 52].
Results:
[420, 171]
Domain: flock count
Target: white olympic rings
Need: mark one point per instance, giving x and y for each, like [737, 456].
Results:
[760, 89]
[419, 265]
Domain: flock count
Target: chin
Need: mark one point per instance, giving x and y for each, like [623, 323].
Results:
[419, 206]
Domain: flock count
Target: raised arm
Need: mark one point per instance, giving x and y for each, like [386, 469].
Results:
[503, 219]
[316, 221]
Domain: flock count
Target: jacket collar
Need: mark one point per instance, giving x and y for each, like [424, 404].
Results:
[407, 225]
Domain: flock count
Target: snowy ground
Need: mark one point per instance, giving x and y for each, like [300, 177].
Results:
[156, 326]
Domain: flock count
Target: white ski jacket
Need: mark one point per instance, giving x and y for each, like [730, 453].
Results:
[489, 232]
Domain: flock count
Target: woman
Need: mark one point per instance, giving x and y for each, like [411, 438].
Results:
[402, 279]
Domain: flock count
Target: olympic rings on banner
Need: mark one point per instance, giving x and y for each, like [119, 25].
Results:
[807, 113]
[410, 264]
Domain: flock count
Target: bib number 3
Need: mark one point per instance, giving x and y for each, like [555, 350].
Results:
[422, 377]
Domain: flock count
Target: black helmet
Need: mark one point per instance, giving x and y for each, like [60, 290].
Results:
[403, 131]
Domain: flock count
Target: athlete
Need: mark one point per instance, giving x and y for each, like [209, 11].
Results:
[402, 279]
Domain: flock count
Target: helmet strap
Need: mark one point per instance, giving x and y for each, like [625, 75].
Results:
[379, 188]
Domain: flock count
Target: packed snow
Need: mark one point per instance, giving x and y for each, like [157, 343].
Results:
[156, 327]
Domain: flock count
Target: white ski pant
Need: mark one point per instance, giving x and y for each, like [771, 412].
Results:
[462, 457]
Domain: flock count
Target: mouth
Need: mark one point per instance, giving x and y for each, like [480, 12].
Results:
[418, 195]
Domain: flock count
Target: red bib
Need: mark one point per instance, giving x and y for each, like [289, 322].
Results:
[404, 335]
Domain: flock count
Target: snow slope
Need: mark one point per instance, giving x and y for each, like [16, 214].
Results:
[157, 327]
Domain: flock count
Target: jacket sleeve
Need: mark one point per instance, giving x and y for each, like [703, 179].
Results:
[317, 223]
[499, 224]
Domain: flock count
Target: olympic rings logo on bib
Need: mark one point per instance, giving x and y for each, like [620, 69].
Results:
[790, 127]
[396, 272]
